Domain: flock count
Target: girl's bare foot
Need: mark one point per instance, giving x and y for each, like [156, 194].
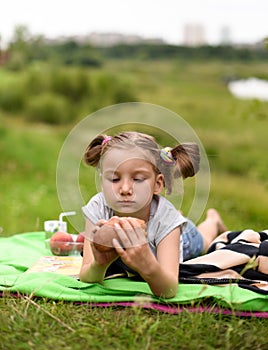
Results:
[213, 214]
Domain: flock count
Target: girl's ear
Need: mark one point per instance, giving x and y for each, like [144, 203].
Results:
[159, 184]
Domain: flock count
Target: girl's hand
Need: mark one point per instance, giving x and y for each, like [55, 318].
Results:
[98, 225]
[89, 233]
[132, 245]
[102, 258]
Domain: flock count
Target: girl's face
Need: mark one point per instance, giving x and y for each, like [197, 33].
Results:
[129, 182]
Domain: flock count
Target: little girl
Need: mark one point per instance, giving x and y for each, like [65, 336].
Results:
[134, 170]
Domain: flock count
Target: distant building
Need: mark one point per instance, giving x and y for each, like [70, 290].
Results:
[194, 35]
[225, 36]
[110, 39]
[107, 39]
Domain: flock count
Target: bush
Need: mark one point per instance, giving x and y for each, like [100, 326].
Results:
[17, 61]
[50, 94]
[116, 90]
[37, 80]
[123, 93]
[73, 84]
[49, 108]
[12, 96]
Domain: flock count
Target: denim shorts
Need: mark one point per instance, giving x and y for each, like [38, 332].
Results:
[192, 241]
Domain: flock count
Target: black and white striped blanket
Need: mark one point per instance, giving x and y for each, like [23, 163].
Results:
[234, 257]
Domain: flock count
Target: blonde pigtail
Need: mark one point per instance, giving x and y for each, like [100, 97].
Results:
[187, 158]
[94, 150]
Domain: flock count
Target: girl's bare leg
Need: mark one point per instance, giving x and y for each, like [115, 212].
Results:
[211, 227]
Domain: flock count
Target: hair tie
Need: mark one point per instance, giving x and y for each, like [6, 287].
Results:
[105, 140]
[166, 156]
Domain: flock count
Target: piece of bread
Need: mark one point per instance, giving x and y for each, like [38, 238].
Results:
[103, 238]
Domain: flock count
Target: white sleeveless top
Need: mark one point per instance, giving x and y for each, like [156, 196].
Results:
[164, 218]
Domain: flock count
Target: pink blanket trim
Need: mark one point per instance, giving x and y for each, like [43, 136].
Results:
[172, 309]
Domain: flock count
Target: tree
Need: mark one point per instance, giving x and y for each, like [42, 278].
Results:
[19, 48]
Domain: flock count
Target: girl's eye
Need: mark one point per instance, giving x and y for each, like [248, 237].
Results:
[138, 179]
[115, 179]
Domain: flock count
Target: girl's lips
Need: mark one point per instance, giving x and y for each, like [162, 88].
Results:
[125, 202]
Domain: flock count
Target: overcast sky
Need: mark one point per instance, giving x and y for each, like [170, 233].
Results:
[247, 20]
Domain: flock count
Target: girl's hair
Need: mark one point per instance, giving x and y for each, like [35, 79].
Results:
[183, 160]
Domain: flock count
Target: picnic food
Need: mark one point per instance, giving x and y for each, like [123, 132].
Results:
[81, 237]
[103, 238]
[80, 241]
[61, 243]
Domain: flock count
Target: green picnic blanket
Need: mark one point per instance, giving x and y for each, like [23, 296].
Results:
[19, 252]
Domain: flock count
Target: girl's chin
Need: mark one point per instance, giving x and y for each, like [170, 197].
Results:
[130, 209]
[126, 211]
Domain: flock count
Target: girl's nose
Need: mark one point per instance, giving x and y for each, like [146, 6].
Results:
[126, 188]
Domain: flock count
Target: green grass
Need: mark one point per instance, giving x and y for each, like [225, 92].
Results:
[28, 324]
[234, 135]
[28, 161]
[233, 132]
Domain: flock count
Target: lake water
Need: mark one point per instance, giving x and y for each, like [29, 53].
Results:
[251, 88]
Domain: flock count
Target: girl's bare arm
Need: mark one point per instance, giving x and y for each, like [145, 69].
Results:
[95, 263]
[161, 272]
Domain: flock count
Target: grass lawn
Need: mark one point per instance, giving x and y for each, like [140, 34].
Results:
[234, 135]
[49, 325]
